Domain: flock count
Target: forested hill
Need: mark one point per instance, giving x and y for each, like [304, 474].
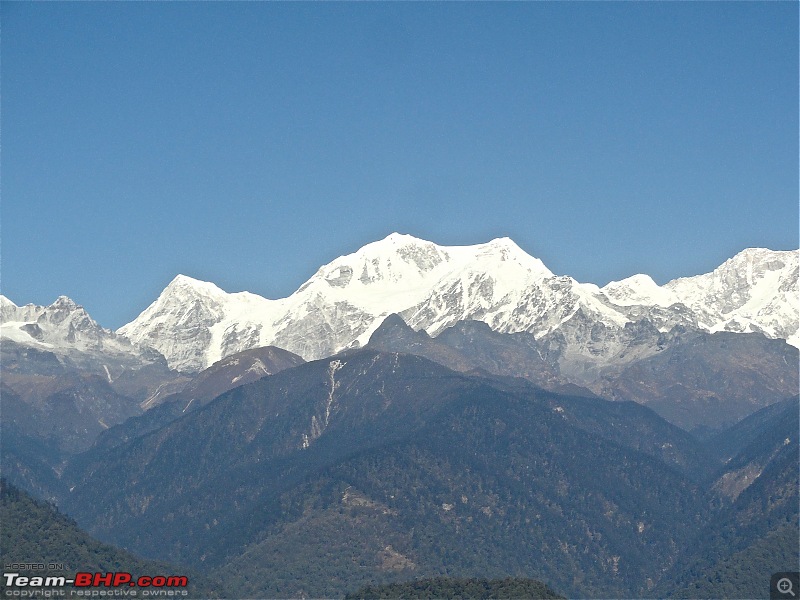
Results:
[451, 588]
[34, 532]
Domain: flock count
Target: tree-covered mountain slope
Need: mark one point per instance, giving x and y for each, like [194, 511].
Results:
[371, 467]
[452, 588]
[35, 532]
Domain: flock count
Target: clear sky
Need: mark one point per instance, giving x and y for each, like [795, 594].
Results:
[249, 143]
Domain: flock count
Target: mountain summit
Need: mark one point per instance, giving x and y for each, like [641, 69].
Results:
[194, 323]
[64, 326]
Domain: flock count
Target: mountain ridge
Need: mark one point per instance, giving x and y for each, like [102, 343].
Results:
[194, 323]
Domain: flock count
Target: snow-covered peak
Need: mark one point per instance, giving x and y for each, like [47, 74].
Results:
[506, 250]
[401, 270]
[62, 308]
[63, 326]
[397, 256]
[499, 250]
[183, 284]
[745, 269]
[195, 323]
[638, 290]
[8, 310]
[504, 244]
[64, 303]
[396, 238]
[756, 290]
[184, 298]
[753, 274]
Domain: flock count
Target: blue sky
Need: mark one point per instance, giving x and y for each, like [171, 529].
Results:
[249, 143]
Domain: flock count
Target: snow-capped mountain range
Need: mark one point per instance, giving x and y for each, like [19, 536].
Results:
[66, 329]
[195, 323]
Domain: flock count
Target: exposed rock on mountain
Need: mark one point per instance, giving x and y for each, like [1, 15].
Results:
[708, 380]
[235, 370]
[62, 338]
[224, 375]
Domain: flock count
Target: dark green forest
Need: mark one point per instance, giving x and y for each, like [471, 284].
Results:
[449, 588]
[35, 532]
